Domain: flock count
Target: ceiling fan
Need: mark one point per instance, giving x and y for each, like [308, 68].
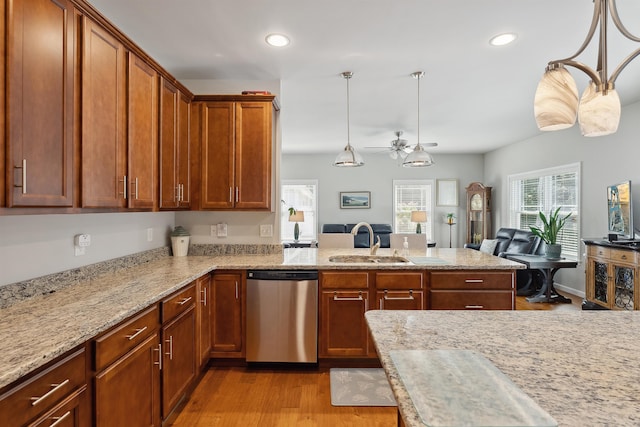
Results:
[399, 147]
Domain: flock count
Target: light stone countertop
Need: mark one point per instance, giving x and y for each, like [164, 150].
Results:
[38, 329]
[583, 368]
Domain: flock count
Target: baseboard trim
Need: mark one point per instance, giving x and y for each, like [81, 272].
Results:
[569, 290]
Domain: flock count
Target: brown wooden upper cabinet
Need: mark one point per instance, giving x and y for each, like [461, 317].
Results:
[237, 151]
[40, 103]
[142, 139]
[175, 140]
[104, 155]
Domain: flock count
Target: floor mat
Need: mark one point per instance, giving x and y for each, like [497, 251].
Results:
[360, 387]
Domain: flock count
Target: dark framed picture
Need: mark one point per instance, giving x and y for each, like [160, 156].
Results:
[355, 199]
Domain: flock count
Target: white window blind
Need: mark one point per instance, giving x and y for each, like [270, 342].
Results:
[302, 195]
[408, 196]
[544, 191]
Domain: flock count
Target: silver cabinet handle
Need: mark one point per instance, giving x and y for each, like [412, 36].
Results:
[170, 342]
[473, 307]
[409, 298]
[135, 188]
[237, 194]
[237, 293]
[337, 298]
[124, 186]
[58, 420]
[473, 281]
[182, 192]
[56, 387]
[176, 194]
[230, 194]
[159, 362]
[184, 301]
[204, 297]
[24, 176]
[136, 333]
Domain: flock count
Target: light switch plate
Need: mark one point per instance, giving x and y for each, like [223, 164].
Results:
[222, 230]
[266, 230]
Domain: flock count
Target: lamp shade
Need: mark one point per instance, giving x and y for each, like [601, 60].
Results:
[418, 158]
[348, 158]
[297, 217]
[599, 114]
[556, 101]
[418, 216]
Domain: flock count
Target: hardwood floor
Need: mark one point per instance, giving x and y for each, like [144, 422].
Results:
[235, 396]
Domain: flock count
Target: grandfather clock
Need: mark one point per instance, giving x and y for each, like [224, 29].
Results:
[478, 212]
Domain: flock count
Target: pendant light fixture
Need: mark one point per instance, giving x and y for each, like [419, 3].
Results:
[418, 157]
[348, 157]
[556, 102]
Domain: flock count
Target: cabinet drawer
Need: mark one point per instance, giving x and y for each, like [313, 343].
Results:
[39, 394]
[598, 251]
[471, 300]
[624, 256]
[397, 280]
[178, 303]
[472, 280]
[344, 280]
[117, 342]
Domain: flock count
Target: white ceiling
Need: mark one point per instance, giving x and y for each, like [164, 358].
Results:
[474, 97]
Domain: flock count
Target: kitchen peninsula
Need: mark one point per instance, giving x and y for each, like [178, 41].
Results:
[71, 311]
[580, 367]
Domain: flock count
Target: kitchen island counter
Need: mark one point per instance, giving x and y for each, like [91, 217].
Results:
[583, 368]
[76, 308]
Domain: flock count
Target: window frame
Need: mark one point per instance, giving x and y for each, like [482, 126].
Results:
[427, 229]
[307, 232]
[546, 201]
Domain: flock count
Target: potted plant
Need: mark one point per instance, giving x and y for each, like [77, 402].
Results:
[550, 230]
[451, 218]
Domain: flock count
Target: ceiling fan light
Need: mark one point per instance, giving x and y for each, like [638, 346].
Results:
[599, 114]
[556, 101]
[348, 158]
[418, 158]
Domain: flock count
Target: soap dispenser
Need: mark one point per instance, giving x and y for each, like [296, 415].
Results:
[405, 247]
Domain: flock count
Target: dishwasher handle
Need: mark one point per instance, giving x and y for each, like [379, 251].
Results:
[282, 274]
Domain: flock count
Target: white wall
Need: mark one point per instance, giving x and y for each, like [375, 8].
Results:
[605, 160]
[377, 176]
[36, 245]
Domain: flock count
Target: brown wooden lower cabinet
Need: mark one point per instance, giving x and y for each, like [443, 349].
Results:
[472, 290]
[343, 331]
[203, 320]
[71, 412]
[227, 327]
[128, 391]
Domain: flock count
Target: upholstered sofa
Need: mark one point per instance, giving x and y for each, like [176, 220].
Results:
[514, 241]
[361, 240]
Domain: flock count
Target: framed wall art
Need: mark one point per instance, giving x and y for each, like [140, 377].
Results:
[447, 192]
[355, 199]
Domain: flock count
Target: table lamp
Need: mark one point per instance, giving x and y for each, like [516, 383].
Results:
[419, 217]
[296, 217]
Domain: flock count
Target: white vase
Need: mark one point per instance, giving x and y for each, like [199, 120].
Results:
[180, 245]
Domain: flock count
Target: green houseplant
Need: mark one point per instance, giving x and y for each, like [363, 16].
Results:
[551, 227]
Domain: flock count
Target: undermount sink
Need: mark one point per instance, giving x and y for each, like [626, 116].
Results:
[368, 258]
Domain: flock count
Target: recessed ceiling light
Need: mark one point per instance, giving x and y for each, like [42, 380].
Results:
[502, 39]
[277, 40]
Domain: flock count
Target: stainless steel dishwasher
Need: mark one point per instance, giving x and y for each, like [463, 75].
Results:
[282, 316]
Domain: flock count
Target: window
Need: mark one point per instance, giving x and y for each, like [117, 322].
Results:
[302, 195]
[412, 196]
[543, 191]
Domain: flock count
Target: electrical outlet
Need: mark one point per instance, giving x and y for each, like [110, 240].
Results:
[266, 230]
[222, 230]
[149, 234]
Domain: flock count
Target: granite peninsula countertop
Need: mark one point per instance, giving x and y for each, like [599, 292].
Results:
[37, 329]
[583, 368]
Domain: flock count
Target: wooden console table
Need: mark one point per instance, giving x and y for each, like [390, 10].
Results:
[612, 274]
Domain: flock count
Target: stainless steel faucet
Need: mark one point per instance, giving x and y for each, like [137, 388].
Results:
[374, 248]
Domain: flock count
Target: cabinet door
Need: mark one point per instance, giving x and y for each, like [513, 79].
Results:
[40, 89]
[343, 330]
[203, 322]
[624, 280]
[253, 155]
[400, 300]
[179, 359]
[169, 191]
[183, 151]
[72, 412]
[104, 180]
[143, 133]
[597, 288]
[217, 180]
[227, 325]
[128, 391]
